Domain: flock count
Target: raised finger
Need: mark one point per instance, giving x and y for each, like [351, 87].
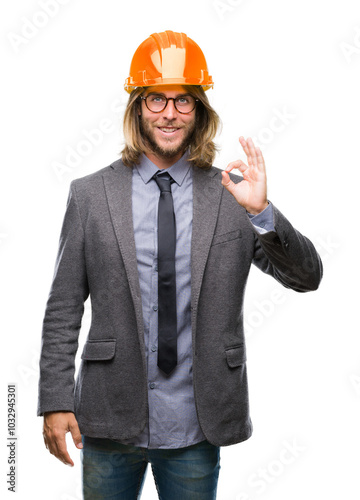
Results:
[252, 151]
[260, 159]
[245, 147]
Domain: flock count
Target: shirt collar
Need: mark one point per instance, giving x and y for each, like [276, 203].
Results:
[178, 171]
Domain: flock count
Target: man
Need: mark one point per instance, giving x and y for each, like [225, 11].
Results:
[162, 242]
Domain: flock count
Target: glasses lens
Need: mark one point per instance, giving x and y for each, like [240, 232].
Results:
[185, 103]
[155, 102]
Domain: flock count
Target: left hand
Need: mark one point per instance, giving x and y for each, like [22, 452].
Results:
[251, 191]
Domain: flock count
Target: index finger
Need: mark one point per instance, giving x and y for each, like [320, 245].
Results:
[56, 444]
[239, 164]
[61, 451]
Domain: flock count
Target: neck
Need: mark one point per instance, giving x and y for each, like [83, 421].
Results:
[163, 162]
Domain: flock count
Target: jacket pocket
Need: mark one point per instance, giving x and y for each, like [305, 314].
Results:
[236, 355]
[99, 350]
[223, 238]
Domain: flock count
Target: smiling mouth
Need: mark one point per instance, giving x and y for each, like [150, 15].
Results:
[168, 130]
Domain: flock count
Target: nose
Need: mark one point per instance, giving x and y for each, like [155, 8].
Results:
[170, 110]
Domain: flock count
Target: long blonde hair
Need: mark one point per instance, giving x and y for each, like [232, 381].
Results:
[202, 148]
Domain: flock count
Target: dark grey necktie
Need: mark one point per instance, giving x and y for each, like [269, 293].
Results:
[167, 328]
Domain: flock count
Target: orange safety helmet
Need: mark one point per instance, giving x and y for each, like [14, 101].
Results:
[168, 58]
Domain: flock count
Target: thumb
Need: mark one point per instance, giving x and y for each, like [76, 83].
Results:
[76, 434]
[227, 182]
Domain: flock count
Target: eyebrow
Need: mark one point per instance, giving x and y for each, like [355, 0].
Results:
[163, 95]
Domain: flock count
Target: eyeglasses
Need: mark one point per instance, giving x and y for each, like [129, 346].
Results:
[157, 102]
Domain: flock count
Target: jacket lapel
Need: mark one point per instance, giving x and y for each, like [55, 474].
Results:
[118, 188]
[207, 192]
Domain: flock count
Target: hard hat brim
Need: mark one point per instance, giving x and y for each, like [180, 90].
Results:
[131, 85]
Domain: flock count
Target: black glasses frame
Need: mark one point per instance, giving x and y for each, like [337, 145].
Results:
[167, 100]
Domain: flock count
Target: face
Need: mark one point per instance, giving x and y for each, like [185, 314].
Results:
[167, 133]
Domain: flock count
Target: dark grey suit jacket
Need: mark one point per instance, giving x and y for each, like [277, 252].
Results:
[97, 257]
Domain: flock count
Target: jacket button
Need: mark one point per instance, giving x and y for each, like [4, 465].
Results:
[152, 385]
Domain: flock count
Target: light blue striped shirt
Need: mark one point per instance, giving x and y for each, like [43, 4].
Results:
[173, 422]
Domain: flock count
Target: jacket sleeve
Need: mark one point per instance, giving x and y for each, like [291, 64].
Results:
[63, 315]
[288, 256]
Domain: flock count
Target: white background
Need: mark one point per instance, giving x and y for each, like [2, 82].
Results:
[299, 60]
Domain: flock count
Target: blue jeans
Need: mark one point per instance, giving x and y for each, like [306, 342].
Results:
[115, 471]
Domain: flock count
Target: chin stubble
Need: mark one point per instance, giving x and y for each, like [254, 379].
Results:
[148, 135]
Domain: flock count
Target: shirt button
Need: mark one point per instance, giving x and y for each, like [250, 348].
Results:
[152, 385]
[153, 348]
[155, 308]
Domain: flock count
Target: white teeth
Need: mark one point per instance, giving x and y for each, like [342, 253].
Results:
[168, 129]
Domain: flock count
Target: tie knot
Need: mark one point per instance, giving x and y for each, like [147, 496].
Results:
[164, 181]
